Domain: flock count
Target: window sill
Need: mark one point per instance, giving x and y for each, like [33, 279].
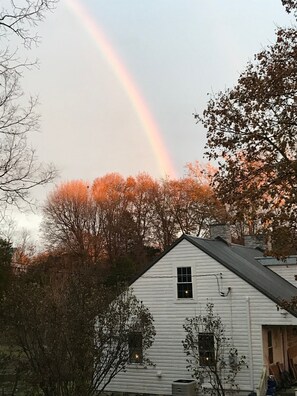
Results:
[185, 301]
[136, 366]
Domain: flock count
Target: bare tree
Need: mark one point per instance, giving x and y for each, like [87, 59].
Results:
[21, 18]
[20, 170]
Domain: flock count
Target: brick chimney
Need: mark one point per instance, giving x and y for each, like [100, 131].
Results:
[254, 241]
[221, 230]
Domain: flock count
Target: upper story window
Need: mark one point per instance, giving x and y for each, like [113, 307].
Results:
[135, 347]
[206, 349]
[184, 282]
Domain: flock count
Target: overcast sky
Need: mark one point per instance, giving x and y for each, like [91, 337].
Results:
[175, 52]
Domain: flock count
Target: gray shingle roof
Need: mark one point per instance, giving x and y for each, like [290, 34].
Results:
[242, 261]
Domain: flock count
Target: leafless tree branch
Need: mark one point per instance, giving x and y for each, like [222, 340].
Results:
[20, 169]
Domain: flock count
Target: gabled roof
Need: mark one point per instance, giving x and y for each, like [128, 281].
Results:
[242, 261]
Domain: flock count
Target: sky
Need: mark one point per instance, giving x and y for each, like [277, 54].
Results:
[118, 81]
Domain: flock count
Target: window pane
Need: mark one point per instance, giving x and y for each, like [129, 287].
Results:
[184, 290]
[188, 270]
[188, 278]
[135, 347]
[184, 274]
[206, 349]
[184, 282]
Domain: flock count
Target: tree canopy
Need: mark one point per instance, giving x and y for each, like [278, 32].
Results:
[118, 220]
[252, 133]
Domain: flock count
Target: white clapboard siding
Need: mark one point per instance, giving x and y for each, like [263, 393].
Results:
[288, 272]
[243, 312]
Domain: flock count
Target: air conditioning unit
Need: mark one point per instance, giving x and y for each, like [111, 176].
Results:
[183, 387]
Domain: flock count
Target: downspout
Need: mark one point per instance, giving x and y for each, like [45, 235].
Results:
[250, 342]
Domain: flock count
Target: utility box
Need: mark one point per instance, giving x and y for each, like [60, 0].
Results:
[184, 388]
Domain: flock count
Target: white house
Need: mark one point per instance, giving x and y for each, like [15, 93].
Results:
[245, 292]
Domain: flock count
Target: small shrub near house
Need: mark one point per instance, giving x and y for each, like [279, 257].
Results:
[212, 358]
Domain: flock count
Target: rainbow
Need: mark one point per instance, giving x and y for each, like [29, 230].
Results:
[141, 108]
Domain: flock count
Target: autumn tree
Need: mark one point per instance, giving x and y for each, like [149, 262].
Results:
[73, 331]
[165, 228]
[123, 222]
[182, 206]
[112, 194]
[205, 208]
[251, 132]
[186, 205]
[142, 198]
[72, 221]
[95, 222]
[20, 170]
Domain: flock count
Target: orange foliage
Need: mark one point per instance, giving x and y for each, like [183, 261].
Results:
[75, 191]
[131, 213]
[108, 188]
[203, 173]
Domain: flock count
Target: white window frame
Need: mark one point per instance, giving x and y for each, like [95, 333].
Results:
[175, 282]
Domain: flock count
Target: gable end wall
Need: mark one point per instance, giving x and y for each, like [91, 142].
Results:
[243, 312]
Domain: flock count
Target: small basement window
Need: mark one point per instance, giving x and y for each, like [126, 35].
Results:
[184, 282]
[206, 349]
[135, 347]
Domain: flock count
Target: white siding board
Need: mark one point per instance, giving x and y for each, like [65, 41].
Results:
[157, 289]
[287, 272]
